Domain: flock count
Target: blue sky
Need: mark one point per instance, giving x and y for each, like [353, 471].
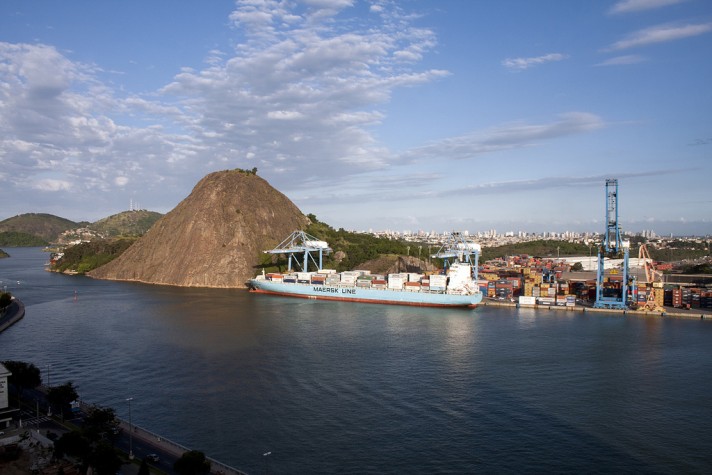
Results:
[408, 115]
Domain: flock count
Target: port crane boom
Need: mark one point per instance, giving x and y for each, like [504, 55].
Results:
[301, 243]
[613, 246]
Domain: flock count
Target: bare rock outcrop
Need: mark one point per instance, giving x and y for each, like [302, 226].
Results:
[213, 238]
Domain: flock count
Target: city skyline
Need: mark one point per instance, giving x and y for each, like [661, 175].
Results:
[384, 115]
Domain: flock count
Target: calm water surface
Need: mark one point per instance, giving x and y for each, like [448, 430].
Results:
[331, 387]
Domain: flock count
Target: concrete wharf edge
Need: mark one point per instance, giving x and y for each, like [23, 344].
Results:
[688, 314]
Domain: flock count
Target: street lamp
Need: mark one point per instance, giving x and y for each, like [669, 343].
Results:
[130, 430]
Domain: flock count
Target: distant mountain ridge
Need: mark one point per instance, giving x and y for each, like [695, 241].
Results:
[39, 229]
[45, 226]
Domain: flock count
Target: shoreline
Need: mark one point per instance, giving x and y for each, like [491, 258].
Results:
[13, 314]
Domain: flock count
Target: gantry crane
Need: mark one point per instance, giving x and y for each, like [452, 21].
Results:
[461, 249]
[613, 247]
[654, 277]
[302, 243]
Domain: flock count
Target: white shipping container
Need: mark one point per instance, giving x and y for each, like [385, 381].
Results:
[438, 280]
[395, 282]
[413, 277]
[303, 275]
[524, 300]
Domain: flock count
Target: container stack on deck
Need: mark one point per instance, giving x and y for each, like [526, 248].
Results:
[408, 281]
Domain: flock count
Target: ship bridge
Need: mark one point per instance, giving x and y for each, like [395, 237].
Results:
[459, 248]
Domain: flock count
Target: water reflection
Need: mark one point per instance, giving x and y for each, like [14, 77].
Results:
[340, 387]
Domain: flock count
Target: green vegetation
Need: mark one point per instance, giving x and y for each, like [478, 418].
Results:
[5, 299]
[349, 249]
[20, 239]
[247, 172]
[87, 256]
[93, 443]
[705, 268]
[24, 376]
[60, 397]
[672, 252]
[356, 248]
[541, 248]
[126, 224]
[44, 226]
[192, 462]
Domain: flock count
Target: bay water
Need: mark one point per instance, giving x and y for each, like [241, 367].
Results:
[331, 387]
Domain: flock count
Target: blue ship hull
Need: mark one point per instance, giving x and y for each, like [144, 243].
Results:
[365, 295]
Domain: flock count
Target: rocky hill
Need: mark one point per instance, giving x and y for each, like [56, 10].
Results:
[46, 226]
[213, 238]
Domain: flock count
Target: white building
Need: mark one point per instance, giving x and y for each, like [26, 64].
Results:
[5, 413]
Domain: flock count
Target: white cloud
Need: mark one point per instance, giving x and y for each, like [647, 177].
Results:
[627, 6]
[284, 115]
[622, 60]
[505, 137]
[302, 96]
[298, 95]
[49, 184]
[520, 64]
[660, 34]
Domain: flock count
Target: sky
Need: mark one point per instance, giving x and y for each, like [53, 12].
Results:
[433, 115]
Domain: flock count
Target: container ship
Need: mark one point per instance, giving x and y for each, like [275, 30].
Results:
[455, 287]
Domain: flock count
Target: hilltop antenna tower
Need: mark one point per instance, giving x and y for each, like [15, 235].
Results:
[613, 246]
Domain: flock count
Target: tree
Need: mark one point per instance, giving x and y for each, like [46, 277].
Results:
[192, 463]
[5, 299]
[72, 443]
[104, 460]
[61, 396]
[101, 423]
[24, 376]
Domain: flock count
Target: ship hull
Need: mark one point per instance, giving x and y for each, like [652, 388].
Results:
[365, 295]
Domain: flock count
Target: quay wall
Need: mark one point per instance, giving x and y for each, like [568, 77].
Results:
[676, 313]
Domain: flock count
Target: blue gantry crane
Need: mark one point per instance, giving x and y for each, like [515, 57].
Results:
[613, 247]
[301, 243]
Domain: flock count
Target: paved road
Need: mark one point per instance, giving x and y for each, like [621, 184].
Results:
[138, 441]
